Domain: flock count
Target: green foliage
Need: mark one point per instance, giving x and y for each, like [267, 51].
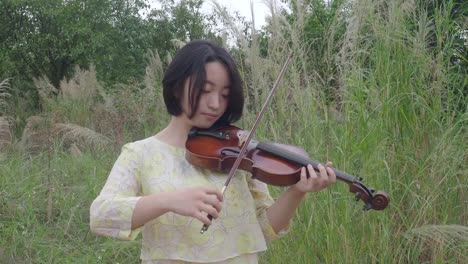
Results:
[49, 38]
[186, 22]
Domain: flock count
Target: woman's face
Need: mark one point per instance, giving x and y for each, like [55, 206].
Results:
[213, 97]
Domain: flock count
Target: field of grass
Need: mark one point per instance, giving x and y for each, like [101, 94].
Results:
[396, 116]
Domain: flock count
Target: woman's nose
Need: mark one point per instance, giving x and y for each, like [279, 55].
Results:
[214, 101]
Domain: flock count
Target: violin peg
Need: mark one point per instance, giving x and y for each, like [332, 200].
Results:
[372, 190]
[367, 207]
[357, 196]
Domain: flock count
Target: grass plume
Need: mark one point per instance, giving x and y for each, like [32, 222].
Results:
[6, 128]
[81, 136]
[4, 94]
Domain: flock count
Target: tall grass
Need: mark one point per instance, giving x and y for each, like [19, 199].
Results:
[396, 126]
[394, 118]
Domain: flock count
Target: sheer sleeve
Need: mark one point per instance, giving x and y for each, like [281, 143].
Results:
[263, 200]
[112, 211]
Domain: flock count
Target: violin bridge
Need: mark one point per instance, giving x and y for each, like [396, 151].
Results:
[242, 135]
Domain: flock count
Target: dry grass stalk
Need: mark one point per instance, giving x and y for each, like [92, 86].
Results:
[439, 241]
[36, 134]
[230, 28]
[74, 151]
[443, 234]
[82, 85]
[49, 202]
[354, 33]
[151, 96]
[45, 89]
[108, 104]
[81, 136]
[177, 43]
[39, 132]
[4, 94]
[6, 125]
[154, 70]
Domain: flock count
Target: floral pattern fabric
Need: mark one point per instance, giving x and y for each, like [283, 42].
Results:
[151, 166]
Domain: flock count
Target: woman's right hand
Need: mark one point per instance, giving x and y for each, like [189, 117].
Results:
[196, 202]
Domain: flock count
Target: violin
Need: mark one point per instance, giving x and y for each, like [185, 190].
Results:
[272, 163]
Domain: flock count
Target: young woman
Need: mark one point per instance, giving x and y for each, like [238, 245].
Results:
[153, 189]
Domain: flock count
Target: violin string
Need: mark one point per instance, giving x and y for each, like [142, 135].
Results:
[304, 161]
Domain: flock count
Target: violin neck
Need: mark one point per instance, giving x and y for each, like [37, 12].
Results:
[301, 160]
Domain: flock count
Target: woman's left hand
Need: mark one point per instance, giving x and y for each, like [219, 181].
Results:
[316, 181]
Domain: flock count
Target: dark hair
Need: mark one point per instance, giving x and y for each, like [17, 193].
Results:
[190, 61]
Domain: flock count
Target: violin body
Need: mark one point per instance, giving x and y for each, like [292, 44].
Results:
[219, 154]
[272, 163]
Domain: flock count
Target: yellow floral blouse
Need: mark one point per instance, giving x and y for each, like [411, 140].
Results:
[151, 166]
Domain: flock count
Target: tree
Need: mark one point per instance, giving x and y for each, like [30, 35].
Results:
[48, 38]
[182, 20]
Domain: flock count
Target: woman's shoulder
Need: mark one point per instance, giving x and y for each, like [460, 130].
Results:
[142, 142]
[152, 145]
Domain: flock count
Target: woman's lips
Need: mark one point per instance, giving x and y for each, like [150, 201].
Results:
[211, 116]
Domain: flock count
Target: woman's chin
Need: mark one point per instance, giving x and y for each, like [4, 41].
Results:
[202, 124]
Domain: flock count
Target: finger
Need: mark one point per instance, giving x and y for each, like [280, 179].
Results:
[202, 217]
[210, 210]
[303, 175]
[331, 175]
[218, 206]
[329, 164]
[216, 192]
[311, 171]
[323, 172]
[213, 201]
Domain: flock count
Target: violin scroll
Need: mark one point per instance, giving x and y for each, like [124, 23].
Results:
[379, 201]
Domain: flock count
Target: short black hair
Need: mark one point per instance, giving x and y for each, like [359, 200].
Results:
[190, 61]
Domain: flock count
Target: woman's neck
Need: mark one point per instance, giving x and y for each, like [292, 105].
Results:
[175, 133]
